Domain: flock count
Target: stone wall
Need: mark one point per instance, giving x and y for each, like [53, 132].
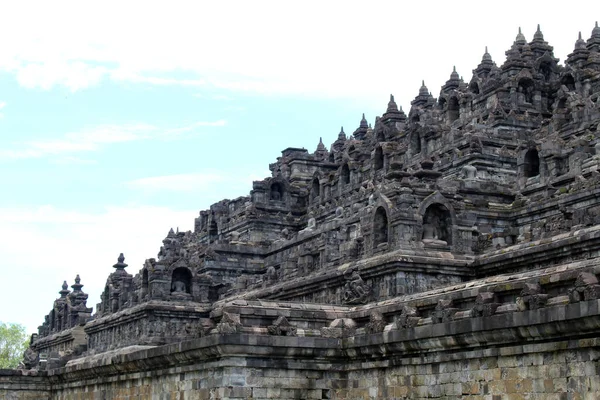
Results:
[19, 385]
[549, 371]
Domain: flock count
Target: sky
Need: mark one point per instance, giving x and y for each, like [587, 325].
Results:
[120, 120]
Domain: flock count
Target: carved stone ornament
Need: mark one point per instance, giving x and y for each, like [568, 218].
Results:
[356, 291]
[531, 297]
[230, 323]
[586, 288]
[376, 323]
[444, 311]
[485, 305]
[339, 328]
[282, 327]
[409, 318]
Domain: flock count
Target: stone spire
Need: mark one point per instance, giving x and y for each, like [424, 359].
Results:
[452, 83]
[321, 146]
[485, 66]
[392, 113]
[363, 122]
[65, 290]
[77, 285]
[120, 265]
[596, 31]
[538, 35]
[424, 96]
[593, 43]
[514, 59]
[580, 53]
[361, 132]
[338, 145]
[486, 56]
[539, 46]
[520, 39]
[392, 106]
[423, 91]
[321, 153]
[77, 296]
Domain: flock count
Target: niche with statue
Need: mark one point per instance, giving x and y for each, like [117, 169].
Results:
[437, 226]
[181, 283]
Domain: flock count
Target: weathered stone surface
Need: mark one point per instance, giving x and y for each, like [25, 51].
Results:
[471, 225]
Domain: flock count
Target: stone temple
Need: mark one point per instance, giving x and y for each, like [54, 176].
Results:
[449, 252]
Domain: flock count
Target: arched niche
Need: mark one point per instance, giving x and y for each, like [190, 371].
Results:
[315, 188]
[380, 136]
[345, 174]
[66, 317]
[568, 81]
[415, 142]
[181, 280]
[545, 69]
[52, 320]
[531, 163]
[144, 282]
[276, 192]
[378, 158]
[106, 299]
[526, 88]
[453, 109]
[380, 227]
[437, 225]
[213, 231]
[474, 87]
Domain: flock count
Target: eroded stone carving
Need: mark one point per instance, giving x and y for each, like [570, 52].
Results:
[339, 328]
[444, 311]
[485, 305]
[586, 288]
[355, 291]
[408, 318]
[282, 327]
[229, 323]
[531, 297]
[376, 323]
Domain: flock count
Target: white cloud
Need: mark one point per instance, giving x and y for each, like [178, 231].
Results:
[53, 244]
[74, 75]
[334, 48]
[120, 75]
[93, 138]
[179, 182]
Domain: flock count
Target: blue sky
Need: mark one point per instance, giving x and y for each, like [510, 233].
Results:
[121, 121]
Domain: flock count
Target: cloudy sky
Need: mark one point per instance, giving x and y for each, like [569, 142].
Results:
[120, 120]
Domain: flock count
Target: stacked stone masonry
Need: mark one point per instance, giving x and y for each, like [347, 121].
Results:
[451, 252]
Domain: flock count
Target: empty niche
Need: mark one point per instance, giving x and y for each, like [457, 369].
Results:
[568, 81]
[144, 281]
[453, 109]
[316, 188]
[213, 232]
[345, 174]
[546, 70]
[380, 227]
[532, 163]
[415, 142]
[378, 160]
